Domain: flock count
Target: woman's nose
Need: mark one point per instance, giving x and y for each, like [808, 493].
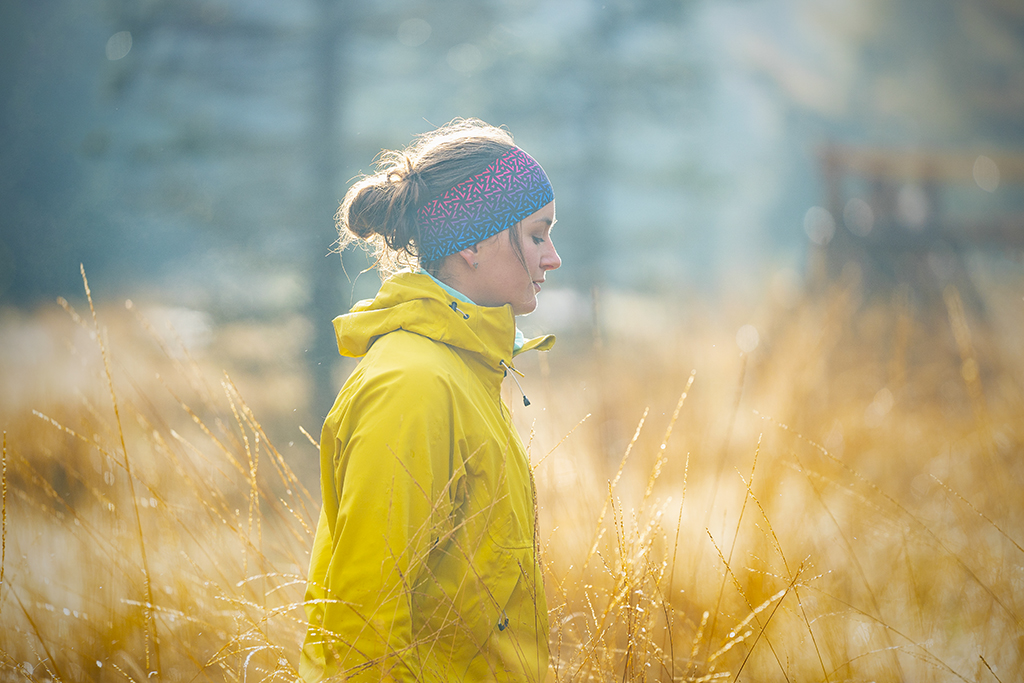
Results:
[550, 260]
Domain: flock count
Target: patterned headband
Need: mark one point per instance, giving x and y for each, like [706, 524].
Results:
[501, 195]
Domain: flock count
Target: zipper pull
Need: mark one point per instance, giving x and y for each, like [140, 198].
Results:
[455, 307]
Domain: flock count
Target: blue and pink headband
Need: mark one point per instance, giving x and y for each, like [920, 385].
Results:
[504, 193]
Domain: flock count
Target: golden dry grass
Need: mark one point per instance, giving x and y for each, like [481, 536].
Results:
[841, 504]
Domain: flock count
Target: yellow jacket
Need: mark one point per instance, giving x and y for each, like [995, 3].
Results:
[424, 565]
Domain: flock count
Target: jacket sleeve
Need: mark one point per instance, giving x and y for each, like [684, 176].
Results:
[390, 457]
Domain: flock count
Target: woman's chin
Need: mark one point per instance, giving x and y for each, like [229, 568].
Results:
[525, 307]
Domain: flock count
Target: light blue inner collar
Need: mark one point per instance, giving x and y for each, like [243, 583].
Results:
[451, 290]
[519, 340]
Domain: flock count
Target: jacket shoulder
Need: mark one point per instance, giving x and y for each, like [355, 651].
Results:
[412, 354]
[403, 366]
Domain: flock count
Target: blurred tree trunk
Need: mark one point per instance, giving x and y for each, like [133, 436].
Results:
[326, 158]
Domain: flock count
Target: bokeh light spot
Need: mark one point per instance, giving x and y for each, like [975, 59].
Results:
[879, 407]
[119, 45]
[413, 32]
[969, 370]
[858, 217]
[912, 207]
[986, 173]
[465, 58]
[747, 338]
[819, 225]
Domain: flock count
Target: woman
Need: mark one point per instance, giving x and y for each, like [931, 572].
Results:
[425, 561]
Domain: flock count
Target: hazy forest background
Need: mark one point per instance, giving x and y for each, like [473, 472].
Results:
[192, 153]
[805, 216]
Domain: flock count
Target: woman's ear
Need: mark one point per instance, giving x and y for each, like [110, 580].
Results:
[470, 256]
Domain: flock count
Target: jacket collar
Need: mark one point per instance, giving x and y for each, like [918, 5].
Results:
[414, 302]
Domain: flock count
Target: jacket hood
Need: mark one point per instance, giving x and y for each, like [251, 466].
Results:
[415, 303]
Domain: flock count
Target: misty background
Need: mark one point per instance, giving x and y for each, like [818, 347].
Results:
[193, 153]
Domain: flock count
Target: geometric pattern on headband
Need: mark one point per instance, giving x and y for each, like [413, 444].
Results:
[507, 191]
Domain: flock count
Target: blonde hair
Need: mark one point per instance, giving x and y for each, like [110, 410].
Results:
[379, 210]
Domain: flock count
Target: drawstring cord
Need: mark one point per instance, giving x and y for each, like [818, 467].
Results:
[465, 316]
[526, 401]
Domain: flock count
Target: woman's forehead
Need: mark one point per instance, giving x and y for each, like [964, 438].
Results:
[543, 216]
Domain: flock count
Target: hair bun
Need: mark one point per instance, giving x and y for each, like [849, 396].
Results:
[364, 215]
[381, 209]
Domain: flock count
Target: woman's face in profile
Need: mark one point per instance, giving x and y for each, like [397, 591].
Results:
[504, 279]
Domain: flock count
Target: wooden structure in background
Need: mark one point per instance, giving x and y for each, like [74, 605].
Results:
[912, 238]
[921, 214]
